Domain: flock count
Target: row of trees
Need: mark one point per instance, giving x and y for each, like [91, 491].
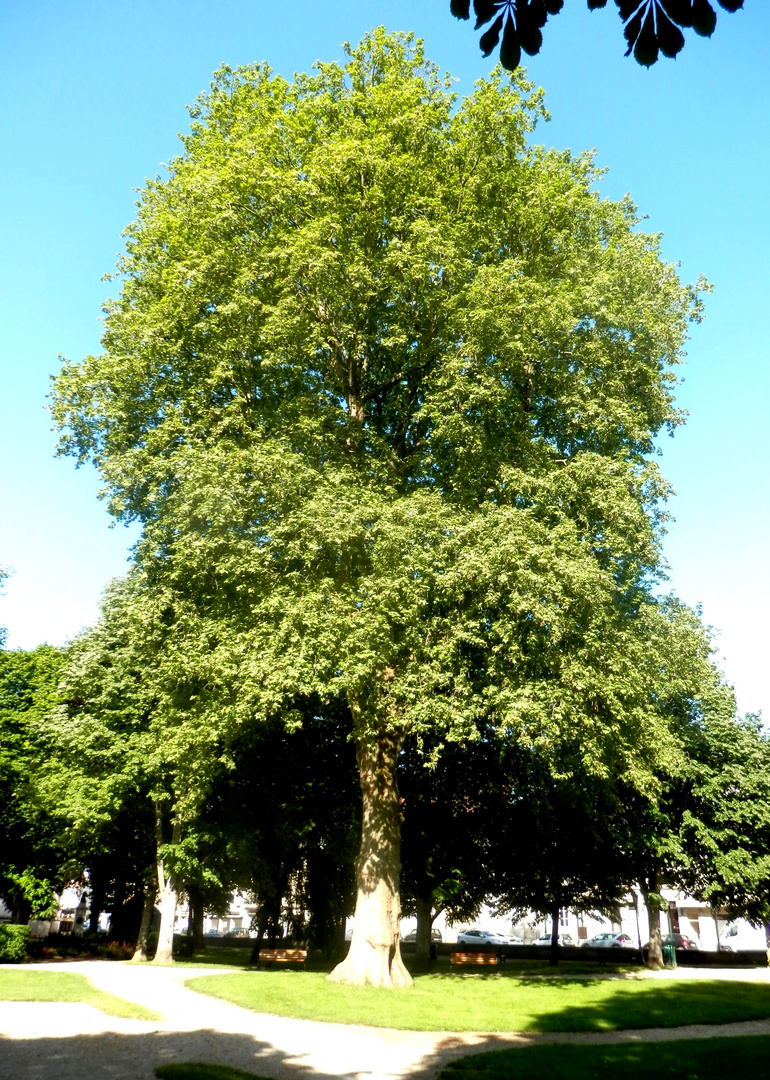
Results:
[381, 384]
[277, 810]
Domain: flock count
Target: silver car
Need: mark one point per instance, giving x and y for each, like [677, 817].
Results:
[611, 941]
[474, 936]
[545, 939]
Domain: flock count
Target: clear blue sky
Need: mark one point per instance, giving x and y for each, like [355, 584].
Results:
[93, 97]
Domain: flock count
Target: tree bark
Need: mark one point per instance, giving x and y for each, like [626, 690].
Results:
[715, 920]
[422, 942]
[168, 891]
[148, 906]
[553, 958]
[195, 922]
[651, 893]
[375, 953]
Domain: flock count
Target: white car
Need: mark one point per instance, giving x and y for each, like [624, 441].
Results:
[545, 939]
[474, 936]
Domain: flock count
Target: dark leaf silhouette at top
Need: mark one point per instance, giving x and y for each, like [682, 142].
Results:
[650, 27]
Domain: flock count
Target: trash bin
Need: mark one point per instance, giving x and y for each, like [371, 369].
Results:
[669, 956]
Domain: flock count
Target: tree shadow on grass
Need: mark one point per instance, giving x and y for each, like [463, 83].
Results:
[655, 1004]
[119, 1056]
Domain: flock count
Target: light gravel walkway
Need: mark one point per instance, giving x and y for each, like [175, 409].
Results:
[78, 1042]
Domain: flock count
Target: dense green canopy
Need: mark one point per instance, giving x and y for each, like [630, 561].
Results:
[382, 382]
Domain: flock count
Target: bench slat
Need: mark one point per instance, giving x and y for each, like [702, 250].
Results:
[482, 958]
[283, 956]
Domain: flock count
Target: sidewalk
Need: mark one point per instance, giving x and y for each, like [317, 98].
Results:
[39, 1041]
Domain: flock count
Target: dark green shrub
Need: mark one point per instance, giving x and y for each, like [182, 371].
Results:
[14, 940]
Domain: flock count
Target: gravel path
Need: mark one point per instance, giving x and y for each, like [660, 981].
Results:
[77, 1042]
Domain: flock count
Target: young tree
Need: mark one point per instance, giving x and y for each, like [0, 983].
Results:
[380, 383]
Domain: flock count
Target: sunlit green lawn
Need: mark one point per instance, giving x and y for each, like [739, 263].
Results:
[43, 985]
[511, 1002]
[691, 1059]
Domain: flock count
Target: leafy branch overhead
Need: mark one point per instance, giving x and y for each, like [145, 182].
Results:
[650, 26]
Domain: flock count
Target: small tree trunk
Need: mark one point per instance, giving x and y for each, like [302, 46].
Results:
[715, 920]
[653, 904]
[553, 959]
[375, 953]
[422, 941]
[98, 890]
[140, 952]
[195, 926]
[168, 895]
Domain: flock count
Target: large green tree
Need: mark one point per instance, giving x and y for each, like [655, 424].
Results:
[381, 382]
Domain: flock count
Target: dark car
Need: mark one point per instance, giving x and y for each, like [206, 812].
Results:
[435, 935]
[679, 941]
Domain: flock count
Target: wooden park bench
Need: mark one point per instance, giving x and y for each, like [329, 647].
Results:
[475, 959]
[282, 956]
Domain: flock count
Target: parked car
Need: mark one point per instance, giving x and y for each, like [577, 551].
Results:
[680, 941]
[545, 939]
[474, 936]
[435, 936]
[610, 941]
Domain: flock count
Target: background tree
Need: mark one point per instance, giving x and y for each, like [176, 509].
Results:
[723, 804]
[381, 383]
[650, 27]
[453, 805]
[34, 862]
[124, 737]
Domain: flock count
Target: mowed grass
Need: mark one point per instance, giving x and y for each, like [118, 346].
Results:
[686, 1059]
[25, 985]
[494, 1003]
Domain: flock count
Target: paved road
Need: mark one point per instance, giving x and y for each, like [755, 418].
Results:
[41, 1041]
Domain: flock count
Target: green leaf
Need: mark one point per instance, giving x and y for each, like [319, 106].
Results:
[731, 5]
[632, 29]
[629, 7]
[678, 10]
[510, 50]
[670, 37]
[646, 48]
[484, 10]
[704, 18]
[490, 39]
[461, 9]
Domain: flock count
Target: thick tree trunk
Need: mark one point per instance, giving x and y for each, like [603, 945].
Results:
[168, 894]
[422, 942]
[375, 953]
[148, 906]
[195, 922]
[98, 891]
[651, 893]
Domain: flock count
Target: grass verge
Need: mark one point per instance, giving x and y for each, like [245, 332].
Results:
[27, 985]
[496, 1003]
[686, 1059]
